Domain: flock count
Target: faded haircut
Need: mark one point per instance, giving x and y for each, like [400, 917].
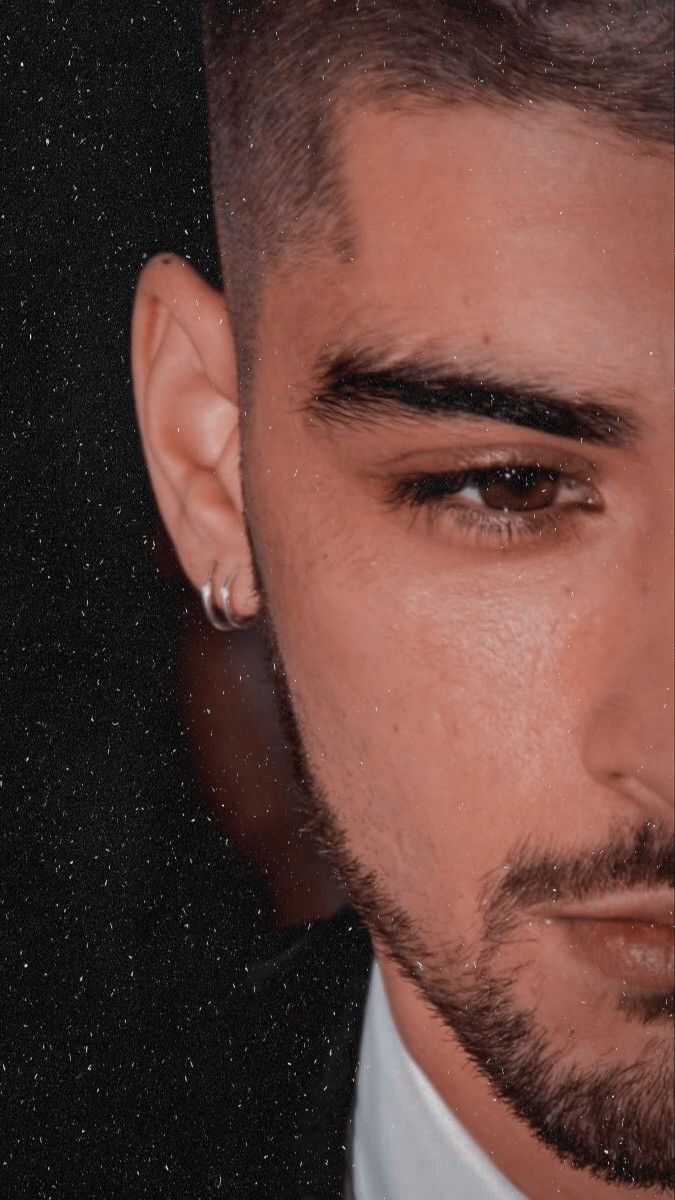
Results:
[280, 72]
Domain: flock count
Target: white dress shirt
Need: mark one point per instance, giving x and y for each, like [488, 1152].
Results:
[406, 1144]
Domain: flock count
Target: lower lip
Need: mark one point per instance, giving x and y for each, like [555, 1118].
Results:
[638, 953]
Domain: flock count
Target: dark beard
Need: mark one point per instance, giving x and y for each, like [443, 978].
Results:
[614, 1122]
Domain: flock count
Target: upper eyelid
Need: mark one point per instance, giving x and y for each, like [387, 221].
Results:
[477, 457]
[479, 468]
[581, 472]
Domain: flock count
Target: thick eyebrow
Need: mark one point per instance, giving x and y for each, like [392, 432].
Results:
[356, 388]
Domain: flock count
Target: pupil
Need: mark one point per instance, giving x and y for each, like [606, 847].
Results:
[517, 488]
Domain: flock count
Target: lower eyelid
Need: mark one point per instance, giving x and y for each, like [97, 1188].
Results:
[505, 530]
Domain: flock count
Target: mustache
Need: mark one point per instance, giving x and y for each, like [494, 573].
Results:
[639, 859]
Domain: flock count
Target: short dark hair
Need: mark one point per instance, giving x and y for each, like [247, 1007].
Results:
[276, 71]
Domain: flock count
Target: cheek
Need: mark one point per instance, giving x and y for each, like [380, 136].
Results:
[437, 695]
[433, 715]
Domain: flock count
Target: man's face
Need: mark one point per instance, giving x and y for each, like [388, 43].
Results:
[478, 662]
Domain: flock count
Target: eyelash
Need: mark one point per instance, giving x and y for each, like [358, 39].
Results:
[431, 490]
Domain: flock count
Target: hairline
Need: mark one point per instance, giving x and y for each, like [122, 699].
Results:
[300, 252]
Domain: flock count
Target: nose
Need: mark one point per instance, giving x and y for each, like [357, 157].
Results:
[629, 733]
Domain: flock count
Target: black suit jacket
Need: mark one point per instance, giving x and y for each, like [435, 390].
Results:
[181, 1068]
[275, 1121]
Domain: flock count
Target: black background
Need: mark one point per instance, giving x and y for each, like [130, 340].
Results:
[123, 909]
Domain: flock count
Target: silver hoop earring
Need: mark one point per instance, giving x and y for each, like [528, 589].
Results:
[220, 615]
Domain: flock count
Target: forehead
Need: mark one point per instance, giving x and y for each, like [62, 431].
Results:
[540, 232]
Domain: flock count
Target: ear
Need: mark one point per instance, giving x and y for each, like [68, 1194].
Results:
[184, 375]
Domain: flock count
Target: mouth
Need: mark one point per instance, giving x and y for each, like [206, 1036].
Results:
[648, 908]
[627, 937]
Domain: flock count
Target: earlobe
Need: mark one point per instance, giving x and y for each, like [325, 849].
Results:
[184, 376]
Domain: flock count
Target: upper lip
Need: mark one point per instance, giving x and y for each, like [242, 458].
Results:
[653, 908]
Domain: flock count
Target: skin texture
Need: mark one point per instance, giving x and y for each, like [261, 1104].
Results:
[458, 695]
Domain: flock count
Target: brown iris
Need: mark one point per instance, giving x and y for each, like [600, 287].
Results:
[516, 488]
[508, 489]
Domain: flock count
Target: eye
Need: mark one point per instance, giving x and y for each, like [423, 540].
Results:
[510, 488]
[503, 503]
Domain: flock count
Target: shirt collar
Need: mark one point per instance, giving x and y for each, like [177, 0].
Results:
[405, 1141]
